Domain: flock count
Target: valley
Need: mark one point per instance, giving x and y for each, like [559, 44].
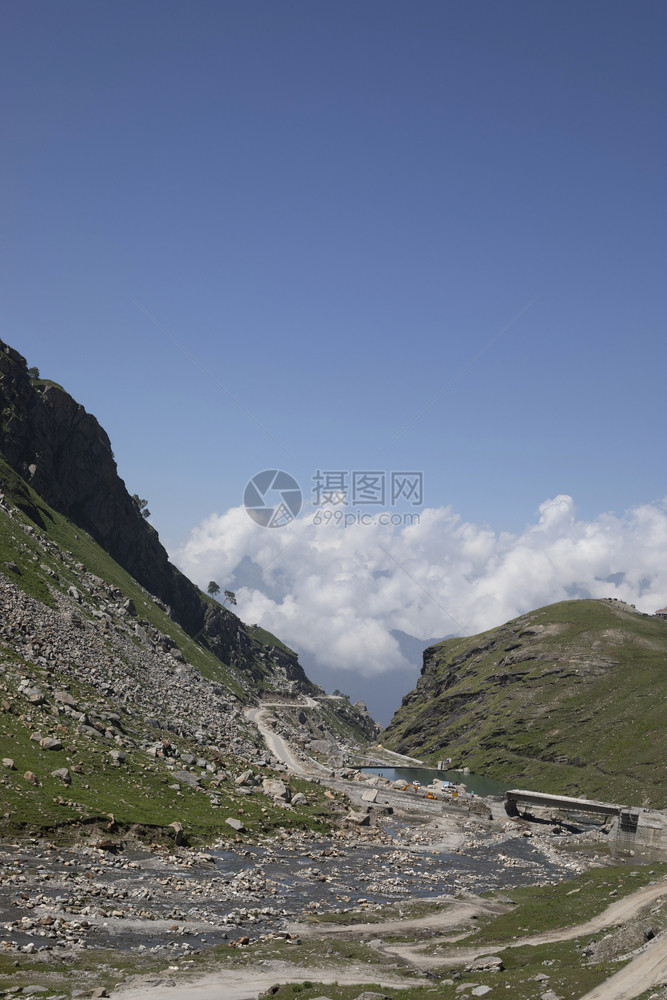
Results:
[184, 814]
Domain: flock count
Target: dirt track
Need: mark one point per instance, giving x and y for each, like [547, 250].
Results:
[645, 971]
[648, 969]
[618, 913]
[247, 984]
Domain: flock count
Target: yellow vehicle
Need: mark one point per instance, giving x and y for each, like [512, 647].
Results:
[429, 795]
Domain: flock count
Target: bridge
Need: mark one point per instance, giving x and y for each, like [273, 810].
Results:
[565, 802]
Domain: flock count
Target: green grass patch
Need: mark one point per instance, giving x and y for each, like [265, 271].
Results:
[541, 908]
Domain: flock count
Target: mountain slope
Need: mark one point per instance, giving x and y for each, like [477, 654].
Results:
[569, 698]
[58, 461]
[122, 685]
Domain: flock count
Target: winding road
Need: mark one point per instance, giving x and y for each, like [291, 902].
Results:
[306, 768]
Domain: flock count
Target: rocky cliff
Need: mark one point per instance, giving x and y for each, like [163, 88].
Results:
[65, 456]
[569, 698]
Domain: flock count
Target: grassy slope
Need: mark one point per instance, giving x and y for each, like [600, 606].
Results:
[577, 708]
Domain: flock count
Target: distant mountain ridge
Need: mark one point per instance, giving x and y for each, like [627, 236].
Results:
[568, 698]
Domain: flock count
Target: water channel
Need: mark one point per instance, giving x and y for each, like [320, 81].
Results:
[475, 783]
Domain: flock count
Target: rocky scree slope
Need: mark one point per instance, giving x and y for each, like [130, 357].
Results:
[569, 699]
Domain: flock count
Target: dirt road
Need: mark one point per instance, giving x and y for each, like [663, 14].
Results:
[647, 970]
[248, 984]
[279, 748]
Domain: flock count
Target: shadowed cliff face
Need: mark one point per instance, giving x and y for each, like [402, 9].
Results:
[61, 451]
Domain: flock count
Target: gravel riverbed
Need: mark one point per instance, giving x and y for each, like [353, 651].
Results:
[65, 899]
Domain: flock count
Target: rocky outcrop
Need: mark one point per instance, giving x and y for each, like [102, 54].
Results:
[229, 639]
[66, 457]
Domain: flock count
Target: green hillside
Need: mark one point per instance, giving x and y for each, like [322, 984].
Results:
[569, 698]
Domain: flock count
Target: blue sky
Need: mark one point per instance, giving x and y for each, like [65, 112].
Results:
[333, 208]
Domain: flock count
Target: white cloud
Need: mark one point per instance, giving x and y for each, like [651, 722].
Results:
[337, 593]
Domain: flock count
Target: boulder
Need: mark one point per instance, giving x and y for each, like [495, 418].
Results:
[187, 778]
[370, 796]
[235, 824]
[63, 774]
[178, 831]
[485, 963]
[358, 818]
[50, 743]
[276, 788]
[65, 698]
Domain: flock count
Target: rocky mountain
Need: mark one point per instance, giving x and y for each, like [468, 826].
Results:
[118, 676]
[569, 698]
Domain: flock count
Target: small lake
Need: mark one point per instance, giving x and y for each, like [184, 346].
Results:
[475, 783]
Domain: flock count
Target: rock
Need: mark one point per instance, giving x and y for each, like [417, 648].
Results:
[34, 694]
[299, 799]
[30, 776]
[65, 698]
[370, 796]
[245, 778]
[549, 995]
[187, 778]
[235, 824]
[106, 845]
[485, 963]
[129, 606]
[118, 756]
[276, 788]
[50, 743]
[178, 831]
[34, 991]
[8, 763]
[99, 991]
[73, 592]
[63, 774]
[480, 991]
[358, 818]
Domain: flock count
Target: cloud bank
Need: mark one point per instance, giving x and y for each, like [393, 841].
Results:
[337, 593]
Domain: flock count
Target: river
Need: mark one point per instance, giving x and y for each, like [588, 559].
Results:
[475, 783]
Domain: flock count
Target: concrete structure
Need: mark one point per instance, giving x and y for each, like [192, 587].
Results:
[631, 827]
[564, 802]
